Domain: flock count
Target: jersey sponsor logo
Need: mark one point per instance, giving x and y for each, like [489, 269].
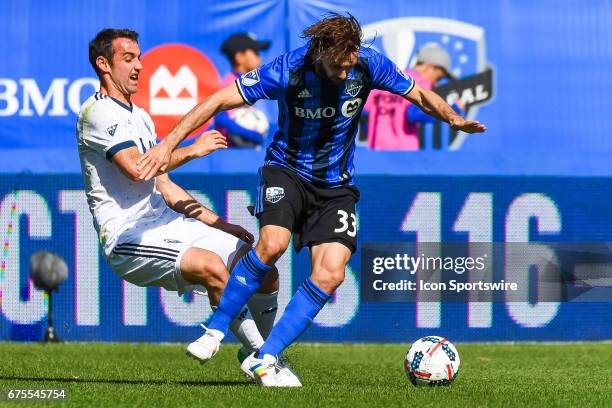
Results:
[274, 194]
[353, 86]
[304, 93]
[350, 107]
[111, 129]
[318, 113]
[250, 78]
[465, 44]
[172, 241]
[174, 78]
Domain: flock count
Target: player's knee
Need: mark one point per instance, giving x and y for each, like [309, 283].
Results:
[329, 278]
[213, 271]
[336, 276]
[271, 248]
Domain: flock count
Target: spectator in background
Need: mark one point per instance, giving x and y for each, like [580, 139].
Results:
[393, 122]
[242, 51]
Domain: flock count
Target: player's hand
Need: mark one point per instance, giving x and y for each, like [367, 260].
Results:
[154, 160]
[239, 232]
[467, 126]
[208, 142]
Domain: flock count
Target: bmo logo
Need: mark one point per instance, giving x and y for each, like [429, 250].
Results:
[350, 107]
[174, 78]
[318, 113]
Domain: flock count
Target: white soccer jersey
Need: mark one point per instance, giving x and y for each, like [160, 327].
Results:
[106, 126]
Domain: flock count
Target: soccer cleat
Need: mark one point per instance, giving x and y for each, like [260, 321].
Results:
[242, 355]
[266, 372]
[206, 346]
[287, 373]
[283, 369]
[263, 370]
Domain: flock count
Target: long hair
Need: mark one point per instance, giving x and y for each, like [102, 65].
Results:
[335, 37]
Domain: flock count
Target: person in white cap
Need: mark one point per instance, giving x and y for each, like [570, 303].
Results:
[393, 122]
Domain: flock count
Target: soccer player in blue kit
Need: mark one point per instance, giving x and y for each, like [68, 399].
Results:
[306, 186]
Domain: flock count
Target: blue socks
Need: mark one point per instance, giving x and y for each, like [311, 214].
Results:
[243, 282]
[301, 310]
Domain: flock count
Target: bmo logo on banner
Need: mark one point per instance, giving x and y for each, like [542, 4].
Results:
[174, 78]
[27, 97]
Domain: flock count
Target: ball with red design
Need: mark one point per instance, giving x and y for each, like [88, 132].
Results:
[432, 360]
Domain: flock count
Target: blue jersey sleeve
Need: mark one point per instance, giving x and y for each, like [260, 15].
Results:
[388, 77]
[265, 82]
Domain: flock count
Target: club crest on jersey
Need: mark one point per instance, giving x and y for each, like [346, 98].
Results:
[353, 86]
[111, 129]
[250, 78]
[274, 194]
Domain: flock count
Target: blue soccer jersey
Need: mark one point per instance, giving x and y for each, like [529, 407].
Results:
[318, 119]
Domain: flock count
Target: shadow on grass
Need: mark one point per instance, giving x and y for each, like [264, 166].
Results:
[125, 381]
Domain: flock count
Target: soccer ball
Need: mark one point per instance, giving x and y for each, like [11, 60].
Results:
[251, 118]
[432, 360]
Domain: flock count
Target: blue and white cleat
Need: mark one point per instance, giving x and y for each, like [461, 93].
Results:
[204, 348]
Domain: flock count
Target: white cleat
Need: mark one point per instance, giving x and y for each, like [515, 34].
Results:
[283, 369]
[262, 370]
[287, 373]
[206, 346]
[267, 372]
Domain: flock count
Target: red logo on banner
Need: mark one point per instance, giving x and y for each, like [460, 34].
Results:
[174, 78]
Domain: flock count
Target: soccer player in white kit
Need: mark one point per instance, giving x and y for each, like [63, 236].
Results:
[153, 233]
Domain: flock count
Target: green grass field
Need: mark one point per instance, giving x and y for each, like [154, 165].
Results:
[130, 375]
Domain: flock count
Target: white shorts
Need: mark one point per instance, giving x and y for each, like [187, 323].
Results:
[149, 253]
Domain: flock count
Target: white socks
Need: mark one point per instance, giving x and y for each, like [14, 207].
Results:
[253, 324]
[245, 330]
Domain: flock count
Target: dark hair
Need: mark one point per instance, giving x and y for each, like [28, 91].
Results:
[335, 37]
[102, 44]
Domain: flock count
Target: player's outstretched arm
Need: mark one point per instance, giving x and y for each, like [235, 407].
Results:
[206, 143]
[181, 201]
[435, 106]
[159, 156]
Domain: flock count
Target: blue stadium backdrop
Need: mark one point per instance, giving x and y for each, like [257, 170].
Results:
[541, 172]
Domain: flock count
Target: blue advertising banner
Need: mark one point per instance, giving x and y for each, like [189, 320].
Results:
[49, 75]
[539, 53]
[535, 72]
[50, 212]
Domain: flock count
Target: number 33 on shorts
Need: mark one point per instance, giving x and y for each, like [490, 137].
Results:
[348, 223]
